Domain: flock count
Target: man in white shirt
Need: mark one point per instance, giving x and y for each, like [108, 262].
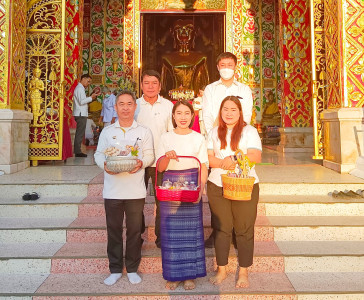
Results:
[213, 95]
[227, 85]
[154, 112]
[108, 113]
[80, 112]
[125, 192]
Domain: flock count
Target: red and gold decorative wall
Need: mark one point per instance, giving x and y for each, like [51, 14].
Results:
[255, 44]
[73, 52]
[296, 64]
[112, 41]
[103, 42]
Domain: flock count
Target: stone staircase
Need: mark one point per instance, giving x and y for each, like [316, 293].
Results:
[308, 246]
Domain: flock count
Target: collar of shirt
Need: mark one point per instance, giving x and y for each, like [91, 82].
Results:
[81, 85]
[134, 125]
[146, 102]
[235, 82]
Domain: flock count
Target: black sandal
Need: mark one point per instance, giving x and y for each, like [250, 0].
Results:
[34, 196]
[26, 197]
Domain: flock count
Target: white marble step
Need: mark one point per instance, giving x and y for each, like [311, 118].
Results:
[38, 210]
[339, 283]
[297, 256]
[315, 209]
[16, 191]
[29, 250]
[277, 205]
[324, 264]
[301, 286]
[25, 266]
[307, 189]
[33, 236]
[284, 228]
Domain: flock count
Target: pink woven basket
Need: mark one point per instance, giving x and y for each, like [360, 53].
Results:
[178, 195]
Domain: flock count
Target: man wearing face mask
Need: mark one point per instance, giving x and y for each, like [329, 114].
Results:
[227, 85]
[213, 95]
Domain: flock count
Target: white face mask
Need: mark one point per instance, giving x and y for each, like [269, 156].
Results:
[226, 74]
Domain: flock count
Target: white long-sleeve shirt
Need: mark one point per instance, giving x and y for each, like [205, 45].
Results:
[157, 117]
[80, 101]
[216, 92]
[124, 185]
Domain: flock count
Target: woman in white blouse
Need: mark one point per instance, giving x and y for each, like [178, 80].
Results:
[182, 239]
[231, 134]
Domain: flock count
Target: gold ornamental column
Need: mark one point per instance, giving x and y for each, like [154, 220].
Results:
[45, 65]
[344, 117]
[14, 120]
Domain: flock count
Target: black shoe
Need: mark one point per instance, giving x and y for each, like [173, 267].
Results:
[26, 197]
[34, 196]
[81, 155]
[209, 243]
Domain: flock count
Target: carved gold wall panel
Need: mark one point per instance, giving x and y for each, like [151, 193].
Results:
[44, 88]
[131, 40]
[12, 53]
[245, 23]
[333, 54]
[4, 49]
[354, 27]
[318, 73]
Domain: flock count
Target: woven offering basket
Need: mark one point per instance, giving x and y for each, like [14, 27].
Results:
[118, 164]
[178, 195]
[237, 188]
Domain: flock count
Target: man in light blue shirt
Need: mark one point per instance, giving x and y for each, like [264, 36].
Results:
[80, 112]
[108, 113]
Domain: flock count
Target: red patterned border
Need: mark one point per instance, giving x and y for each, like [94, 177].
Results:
[296, 62]
[73, 50]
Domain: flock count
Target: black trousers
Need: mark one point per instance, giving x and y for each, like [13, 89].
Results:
[150, 173]
[80, 133]
[115, 210]
[229, 214]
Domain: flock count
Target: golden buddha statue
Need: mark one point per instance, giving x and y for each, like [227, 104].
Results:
[184, 68]
[271, 115]
[36, 86]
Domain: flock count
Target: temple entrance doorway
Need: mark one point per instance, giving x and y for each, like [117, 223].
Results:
[203, 39]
